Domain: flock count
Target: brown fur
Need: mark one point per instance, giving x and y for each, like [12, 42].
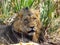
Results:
[27, 18]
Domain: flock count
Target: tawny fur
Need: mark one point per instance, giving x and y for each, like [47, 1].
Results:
[27, 18]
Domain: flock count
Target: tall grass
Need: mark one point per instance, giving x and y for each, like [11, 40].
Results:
[9, 7]
[46, 14]
[19, 4]
[15, 5]
[47, 8]
[12, 6]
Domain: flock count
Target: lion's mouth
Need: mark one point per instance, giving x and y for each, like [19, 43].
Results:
[31, 32]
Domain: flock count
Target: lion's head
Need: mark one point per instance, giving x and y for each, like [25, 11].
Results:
[28, 21]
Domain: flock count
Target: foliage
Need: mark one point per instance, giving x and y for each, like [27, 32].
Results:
[12, 6]
[18, 4]
[47, 8]
[47, 18]
[9, 7]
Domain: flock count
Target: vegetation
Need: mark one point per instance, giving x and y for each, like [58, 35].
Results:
[49, 11]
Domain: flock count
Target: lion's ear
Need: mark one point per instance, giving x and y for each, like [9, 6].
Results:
[20, 15]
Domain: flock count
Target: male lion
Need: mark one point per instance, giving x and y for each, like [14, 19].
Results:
[28, 22]
[25, 26]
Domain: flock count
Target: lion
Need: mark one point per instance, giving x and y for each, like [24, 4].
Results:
[24, 26]
[28, 22]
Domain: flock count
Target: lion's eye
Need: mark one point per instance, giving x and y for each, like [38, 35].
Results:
[26, 21]
[34, 18]
[30, 14]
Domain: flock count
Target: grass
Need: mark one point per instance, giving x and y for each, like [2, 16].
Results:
[9, 7]
[47, 18]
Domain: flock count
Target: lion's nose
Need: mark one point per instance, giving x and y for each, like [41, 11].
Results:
[32, 27]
